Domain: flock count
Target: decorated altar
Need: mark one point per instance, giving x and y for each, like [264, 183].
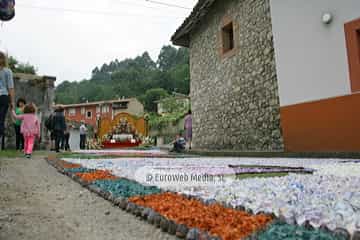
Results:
[124, 130]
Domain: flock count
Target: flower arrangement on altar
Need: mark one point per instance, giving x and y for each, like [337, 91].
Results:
[123, 134]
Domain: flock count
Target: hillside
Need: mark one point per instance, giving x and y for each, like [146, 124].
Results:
[131, 78]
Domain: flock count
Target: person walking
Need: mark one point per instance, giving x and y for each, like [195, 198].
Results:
[188, 128]
[65, 141]
[83, 132]
[49, 125]
[20, 105]
[7, 94]
[59, 127]
[30, 127]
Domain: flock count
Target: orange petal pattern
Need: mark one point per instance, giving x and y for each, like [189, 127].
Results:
[64, 164]
[229, 224]
[96, 175]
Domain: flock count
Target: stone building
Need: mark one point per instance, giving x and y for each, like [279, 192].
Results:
[274, 75]
[36, 89]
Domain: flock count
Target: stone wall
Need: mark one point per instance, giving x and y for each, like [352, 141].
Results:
[36, 89]
[235, 99]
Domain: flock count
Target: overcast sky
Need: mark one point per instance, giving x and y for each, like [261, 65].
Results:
[69, 44]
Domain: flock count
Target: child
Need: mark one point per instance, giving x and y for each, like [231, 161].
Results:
[179, 144]
[20, 104]
[30, 127]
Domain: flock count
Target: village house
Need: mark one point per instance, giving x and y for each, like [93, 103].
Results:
[274, 75]
[91, 112]
[176, 101]
[174, 104]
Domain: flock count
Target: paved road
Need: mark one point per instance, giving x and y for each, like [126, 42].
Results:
[38, 203]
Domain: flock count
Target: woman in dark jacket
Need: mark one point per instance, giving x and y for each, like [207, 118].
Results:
[59, 127]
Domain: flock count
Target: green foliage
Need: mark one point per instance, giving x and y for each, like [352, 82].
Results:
[150, 98]
[158, 122]
[175, 111]
[19, 67]
[174, 105]
[167, 58]
[182, 76]
[131, 78]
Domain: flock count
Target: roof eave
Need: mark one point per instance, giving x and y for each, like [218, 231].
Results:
[182, 34]
[182, 41]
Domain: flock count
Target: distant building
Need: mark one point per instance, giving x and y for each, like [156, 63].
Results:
[91, 112]
[165, 105]
[274, 75]
[177, 103]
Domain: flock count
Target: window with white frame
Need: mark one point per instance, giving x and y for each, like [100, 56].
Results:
[105, 109]
[97, 109]
[72, 111]
[82, 111]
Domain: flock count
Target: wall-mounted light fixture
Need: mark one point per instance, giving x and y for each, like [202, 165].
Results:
[327, 18]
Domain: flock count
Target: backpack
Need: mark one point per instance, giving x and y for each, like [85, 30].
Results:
[7, 10]
[49, 123]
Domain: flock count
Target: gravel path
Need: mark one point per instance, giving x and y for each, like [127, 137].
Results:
[36, 202]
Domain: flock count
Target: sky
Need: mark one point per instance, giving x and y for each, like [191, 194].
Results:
[69, 38]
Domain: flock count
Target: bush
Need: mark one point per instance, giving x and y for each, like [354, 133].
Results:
[151, 96]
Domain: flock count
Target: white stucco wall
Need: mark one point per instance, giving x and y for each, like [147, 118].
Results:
[311, 57]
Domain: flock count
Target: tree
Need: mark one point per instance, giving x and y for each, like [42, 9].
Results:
[150, 98]
[181, 79]
[12, 63]
[182, 56]
[19, 67]
[26, 68]
[95, 71]
[144, 61]
[131, 77]
[67, 93]
[167, 58]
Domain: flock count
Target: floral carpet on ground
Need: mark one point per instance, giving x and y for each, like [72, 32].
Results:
[329, 197]
[124, 152]
[224, 222]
